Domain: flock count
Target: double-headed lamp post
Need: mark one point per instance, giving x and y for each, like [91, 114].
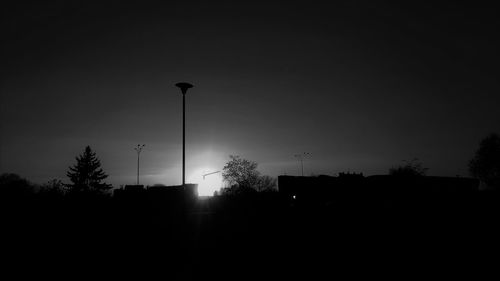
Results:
[138, 148]
[184, 87]
[301, 159]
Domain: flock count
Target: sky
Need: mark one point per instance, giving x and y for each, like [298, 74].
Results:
[360, 86]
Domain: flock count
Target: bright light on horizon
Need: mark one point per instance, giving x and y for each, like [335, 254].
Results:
[206, 185]
[205, 160]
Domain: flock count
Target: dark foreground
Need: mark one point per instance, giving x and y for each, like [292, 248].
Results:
[256, 237]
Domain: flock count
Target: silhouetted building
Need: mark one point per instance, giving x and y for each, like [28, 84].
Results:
[422, 184]
[351, 175]
[129, 191]
[189, 191]
[157, 196]
[354, 188]
[320, 190]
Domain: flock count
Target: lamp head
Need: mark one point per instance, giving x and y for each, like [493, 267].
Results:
[184, 87]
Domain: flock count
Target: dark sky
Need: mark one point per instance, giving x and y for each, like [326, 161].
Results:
[359, 85]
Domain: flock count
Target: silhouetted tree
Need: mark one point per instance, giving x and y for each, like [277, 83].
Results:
[236, 190]
[243, 177]
[411, 168]
[86, 174]
[14, 185]
[53, 187]
[240, 173]
[266, 184]
[486, 162]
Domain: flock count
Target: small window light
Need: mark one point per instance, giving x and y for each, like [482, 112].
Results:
[294, 197]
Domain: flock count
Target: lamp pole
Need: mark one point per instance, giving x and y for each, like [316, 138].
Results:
[138, 148]
[184, 87]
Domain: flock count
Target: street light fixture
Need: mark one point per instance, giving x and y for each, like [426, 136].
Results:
[138, 148]
[204, 175]
[184, 87]
[301, 159]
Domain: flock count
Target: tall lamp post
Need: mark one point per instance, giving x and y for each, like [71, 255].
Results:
[184, 87]
[138, 148]
[301, 159]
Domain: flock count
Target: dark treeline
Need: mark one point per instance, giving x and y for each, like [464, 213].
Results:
[401, 225]
[170, 233]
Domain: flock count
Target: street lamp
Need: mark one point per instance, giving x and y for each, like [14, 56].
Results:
[301, 159]
[184, 87]
[138, 148]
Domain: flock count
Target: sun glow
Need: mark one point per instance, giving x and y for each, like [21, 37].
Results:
[209, 180]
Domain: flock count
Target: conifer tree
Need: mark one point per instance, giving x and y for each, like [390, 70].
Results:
[486, 162]
[86, 174]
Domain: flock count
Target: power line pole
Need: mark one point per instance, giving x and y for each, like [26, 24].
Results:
[138, 148]
[300, 157]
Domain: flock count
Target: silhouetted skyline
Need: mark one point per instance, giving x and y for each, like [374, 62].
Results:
[360, 86]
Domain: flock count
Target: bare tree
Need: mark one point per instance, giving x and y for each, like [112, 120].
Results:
[410, 168]
[266, 184]
[240, 173]
[242, 176]
[53, 187]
